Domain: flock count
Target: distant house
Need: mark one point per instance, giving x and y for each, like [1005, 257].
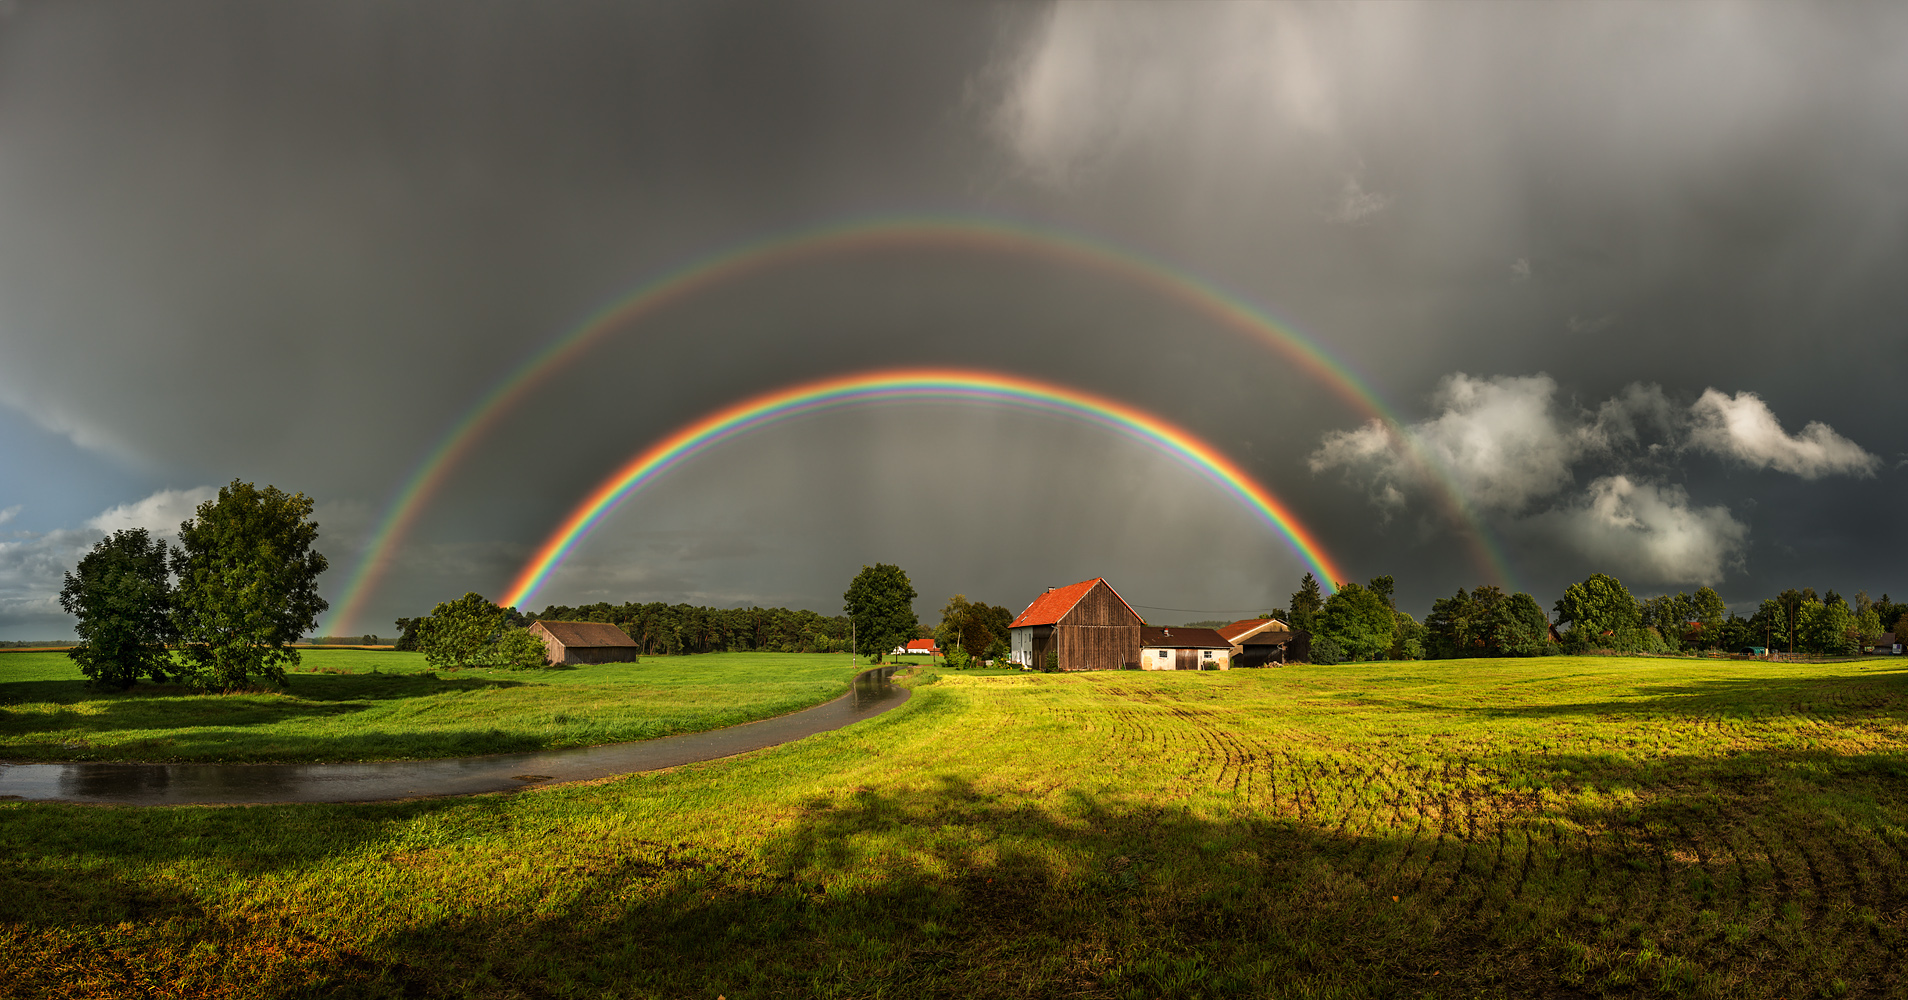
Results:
[1086, 626]
[1887, 642]
[585, 642]
[1184, 649]
[1258, 642]
[919, 647]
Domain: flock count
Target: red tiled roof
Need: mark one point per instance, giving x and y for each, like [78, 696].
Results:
[923, 646]
[582, 634]
[1240, 629]
[1053, 605]
[1183, 638]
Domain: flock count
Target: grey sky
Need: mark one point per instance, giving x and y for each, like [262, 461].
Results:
[292, 243]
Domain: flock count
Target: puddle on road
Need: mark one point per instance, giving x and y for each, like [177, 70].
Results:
[229, 784]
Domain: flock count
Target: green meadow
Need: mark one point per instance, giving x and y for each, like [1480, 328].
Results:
[1552, 827]
[352, 704]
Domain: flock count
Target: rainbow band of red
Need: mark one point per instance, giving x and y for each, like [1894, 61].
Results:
[917, 385]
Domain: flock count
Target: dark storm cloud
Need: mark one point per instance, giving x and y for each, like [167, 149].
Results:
[294, 242]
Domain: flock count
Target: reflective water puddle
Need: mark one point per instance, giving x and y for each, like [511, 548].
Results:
[229, 784]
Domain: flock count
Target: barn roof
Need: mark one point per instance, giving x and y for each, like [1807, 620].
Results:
[583, 634]
[1053, 605]
[923, 646]
[1240, 629]
[1183, 638]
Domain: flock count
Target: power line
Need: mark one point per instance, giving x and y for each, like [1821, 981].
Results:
[1203, 611]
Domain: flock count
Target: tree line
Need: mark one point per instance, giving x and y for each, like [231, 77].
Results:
[1600, 613]
[219, 611]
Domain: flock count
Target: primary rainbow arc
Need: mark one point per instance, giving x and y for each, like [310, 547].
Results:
[915, 232]
[915, 385]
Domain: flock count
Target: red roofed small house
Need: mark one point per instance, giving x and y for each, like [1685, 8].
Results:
[585, 642]
[1087, 626]
[919, 647]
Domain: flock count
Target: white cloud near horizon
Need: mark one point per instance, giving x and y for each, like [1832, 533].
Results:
[1508, 444]
[1650, 533]
[33, 565]
[1743, 427]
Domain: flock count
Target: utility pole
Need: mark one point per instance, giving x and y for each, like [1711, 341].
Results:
[853, 647]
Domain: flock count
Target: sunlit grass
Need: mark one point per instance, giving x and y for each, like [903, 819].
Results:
[1550, 827]
[345, 704]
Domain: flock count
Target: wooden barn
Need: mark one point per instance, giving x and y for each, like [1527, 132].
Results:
[1176, 648]
[585, 642]
[1260, 642]
[1087, 625]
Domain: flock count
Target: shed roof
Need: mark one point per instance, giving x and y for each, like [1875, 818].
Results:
[1240, 629]
[1050, 607]
[583, 634]
[1182, 638]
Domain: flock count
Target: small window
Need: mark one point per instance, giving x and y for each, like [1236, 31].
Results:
[1163, 654]
[1208, 654]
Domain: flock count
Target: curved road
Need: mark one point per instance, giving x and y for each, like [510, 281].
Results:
[235, 784]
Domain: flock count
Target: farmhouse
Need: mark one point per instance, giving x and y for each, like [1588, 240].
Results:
[1085, 626]
[1184, 649]
[1258, 642]
[585, 642]
[919, 647]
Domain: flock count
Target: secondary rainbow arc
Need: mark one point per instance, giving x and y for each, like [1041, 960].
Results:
[973, 234]
[915, 385]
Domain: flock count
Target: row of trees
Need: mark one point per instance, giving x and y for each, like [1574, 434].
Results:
[219, 611]
[972, 631]
[1364, 623]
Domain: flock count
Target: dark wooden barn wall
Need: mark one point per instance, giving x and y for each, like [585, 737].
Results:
[1100, 633]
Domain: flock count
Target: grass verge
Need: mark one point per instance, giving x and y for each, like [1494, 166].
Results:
[348, 704]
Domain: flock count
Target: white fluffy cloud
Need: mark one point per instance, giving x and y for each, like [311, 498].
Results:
[159, 513]
[1650, 533]
[1742, 427]
[1500, 440]
[1508, 445]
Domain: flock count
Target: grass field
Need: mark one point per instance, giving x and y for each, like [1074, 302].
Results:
[1552, 827]
[348, 704]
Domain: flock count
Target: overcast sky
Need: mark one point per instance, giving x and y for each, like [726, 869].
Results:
[1632, 275]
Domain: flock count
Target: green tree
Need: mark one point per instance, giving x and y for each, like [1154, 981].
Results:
[1359, 621]
[1305, 605]
[1408, 638]
[248, 585]
[520, 649]
[122, 597]
[1706, 606]
[462, 633]
[880, 600]
[1597, 610]
[1518, 627]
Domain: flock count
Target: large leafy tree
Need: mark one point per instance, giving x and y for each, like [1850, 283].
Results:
[122, 596]
[1359, 621]
[1599, 611]
[1706, 606]
[880, 601]
[248, 585]
[976, 628]
[462, 633]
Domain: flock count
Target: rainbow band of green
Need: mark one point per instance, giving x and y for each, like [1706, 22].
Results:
[915, 385]
[991, 236]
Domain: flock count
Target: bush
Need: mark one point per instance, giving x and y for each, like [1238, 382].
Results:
[958, 659]
[1413, 650]
[1326, 650]
[1052, 663]
[520, 649]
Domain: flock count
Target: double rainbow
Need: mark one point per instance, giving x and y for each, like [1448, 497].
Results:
[916, 385]
[916, 233]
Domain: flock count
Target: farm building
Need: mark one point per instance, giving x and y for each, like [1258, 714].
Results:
[919, 647]
[1087, 626]
[585, 642]
[1184, 649]
[1258, 642]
